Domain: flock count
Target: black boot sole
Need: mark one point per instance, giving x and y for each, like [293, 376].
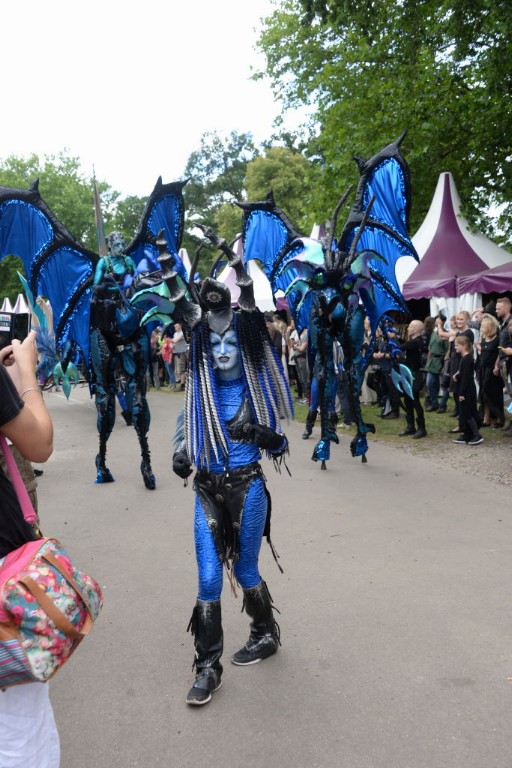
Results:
[240, 663]
[199, 702]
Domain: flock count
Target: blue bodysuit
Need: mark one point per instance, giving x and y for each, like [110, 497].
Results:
[248, 486]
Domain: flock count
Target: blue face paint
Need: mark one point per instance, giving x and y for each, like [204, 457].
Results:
[226, 357]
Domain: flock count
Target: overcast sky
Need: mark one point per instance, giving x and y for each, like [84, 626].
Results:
[130, 87]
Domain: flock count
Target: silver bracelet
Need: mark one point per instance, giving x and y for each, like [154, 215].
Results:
[30, 389]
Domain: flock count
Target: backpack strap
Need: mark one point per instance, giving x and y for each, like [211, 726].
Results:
[17, 481]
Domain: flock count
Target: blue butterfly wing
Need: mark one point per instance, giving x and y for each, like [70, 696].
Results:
[57, 266]
[386, 179]
[268, 236]
[165, 210]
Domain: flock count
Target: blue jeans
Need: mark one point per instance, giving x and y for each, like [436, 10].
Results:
[169, 367]
[445, 394]
[432, 385]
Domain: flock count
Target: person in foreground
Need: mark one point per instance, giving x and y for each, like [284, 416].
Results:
[236, 393]
[28, 735]
[229, 521]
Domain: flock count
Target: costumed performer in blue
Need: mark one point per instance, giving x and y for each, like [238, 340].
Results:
[332, 285]
[87, 294]
[236, 393]
[118, 344]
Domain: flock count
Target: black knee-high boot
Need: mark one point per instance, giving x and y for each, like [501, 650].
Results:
[310, 423]
[206, 628]
[420, 421]
[103, 474]
[264, 638]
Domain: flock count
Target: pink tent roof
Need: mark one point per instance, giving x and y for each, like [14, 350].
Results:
[497, 280]
[447, 249]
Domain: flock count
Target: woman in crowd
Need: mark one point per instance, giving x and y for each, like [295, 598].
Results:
[153, 375]
[166, 353]
[413, 351]
[490, 383]
[180, 354]
[282, 327]
[292, 338]
[437, 349]
[445, 378]
[300, 358]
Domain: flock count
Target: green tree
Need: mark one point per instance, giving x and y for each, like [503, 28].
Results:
[9, 280]
[217, 173]
[371, 70]
[228, 221]
[217, 178]
[126, 216]
[289, 175]
[66, 190]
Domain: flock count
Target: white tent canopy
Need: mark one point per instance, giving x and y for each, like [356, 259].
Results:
[186, 262]
[262, 290]
[450, 251]
[21, 307]
[6, 305]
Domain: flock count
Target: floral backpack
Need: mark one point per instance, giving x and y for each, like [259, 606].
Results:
[47, 605]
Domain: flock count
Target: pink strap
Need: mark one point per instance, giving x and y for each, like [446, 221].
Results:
[19, 486]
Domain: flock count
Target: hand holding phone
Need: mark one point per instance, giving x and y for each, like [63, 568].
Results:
[20, 358]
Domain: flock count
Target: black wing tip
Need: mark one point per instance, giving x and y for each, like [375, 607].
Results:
[361, 162]
[268, 204]
[389, 150]
[174, 187]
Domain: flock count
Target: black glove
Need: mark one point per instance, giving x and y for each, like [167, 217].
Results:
[266, 438]
[181, 465]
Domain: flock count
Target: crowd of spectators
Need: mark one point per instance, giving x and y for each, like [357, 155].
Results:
[485, 338]
[430, 349]
[168, 358]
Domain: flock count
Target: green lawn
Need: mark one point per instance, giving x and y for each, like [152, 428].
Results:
[438, 426]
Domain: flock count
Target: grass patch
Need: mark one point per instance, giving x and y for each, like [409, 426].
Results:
[438, 427]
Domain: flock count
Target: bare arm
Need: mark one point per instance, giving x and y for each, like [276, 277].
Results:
[31, 431]
[302, 344]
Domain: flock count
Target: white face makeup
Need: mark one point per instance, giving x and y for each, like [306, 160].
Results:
[225, 354]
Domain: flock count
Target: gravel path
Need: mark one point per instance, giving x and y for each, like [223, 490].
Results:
[490, 460]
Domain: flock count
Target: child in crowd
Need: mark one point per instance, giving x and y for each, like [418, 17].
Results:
[465, 379]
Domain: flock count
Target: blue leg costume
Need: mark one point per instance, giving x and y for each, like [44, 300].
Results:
[132, 360]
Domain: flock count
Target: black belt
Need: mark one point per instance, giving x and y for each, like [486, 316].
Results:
[222, 498]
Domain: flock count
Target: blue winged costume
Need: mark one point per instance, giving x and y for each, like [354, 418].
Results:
[331, 286]
[88, 297]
